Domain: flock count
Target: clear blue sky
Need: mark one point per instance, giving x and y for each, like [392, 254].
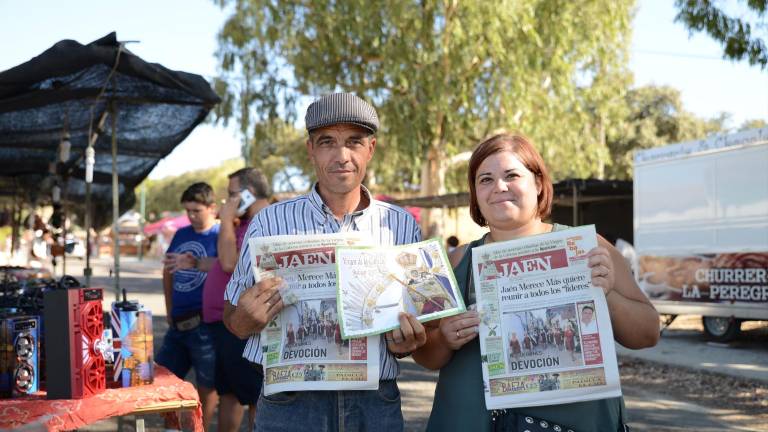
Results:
[181, 34]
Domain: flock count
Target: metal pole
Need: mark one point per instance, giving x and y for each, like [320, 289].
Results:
[115, 202]
[15, 225]
[143, 208]
[456, 221]
[90, 160]
[64, 237]
[575, 204]
[62, 202]
[87, 271]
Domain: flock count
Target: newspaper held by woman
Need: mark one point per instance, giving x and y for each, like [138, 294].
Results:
[545, 332]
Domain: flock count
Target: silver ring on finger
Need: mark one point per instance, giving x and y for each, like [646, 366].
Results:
[458, 336]
[269, 304]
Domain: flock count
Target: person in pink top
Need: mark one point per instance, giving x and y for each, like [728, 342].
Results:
[238, 381]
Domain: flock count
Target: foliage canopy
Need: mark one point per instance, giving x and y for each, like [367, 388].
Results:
[740, 37]
[163, 195]
[442, 74]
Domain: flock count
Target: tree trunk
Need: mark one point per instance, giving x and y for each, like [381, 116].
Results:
[601, 160]
[432, 184]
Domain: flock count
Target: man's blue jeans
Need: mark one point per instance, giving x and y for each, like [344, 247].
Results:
[325, 411]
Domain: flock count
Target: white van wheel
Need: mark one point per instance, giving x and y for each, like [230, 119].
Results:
[721, 329]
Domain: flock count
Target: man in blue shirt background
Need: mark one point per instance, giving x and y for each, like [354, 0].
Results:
[189, 341]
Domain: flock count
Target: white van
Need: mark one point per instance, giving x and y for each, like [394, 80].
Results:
[701, 229]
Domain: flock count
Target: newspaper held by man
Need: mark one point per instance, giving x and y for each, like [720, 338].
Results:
[545, 333]
[303, 348]
[376, 284]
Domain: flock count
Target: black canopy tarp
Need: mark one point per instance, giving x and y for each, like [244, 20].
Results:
[72, 90]
[71, 86]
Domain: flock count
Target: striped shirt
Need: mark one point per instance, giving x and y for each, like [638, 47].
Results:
[307, 214]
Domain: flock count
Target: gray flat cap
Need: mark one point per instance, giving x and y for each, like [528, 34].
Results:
[338, 108]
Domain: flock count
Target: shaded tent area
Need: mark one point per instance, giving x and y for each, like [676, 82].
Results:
[605, 203]
[99, 93]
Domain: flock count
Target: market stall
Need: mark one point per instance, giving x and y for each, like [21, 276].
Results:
[83, 125]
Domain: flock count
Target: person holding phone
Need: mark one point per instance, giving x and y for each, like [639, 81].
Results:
[237, 380]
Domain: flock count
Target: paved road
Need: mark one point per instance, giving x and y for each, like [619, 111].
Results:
[682, 344]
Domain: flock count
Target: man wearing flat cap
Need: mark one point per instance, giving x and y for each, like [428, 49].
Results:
[341, 142]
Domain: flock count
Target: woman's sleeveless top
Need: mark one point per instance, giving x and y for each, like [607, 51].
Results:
[459, 403]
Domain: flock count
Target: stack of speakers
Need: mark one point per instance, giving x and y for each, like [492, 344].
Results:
[53, 337]
[19, 354]
[21, 330]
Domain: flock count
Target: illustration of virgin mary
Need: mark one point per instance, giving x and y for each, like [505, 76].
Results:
[428, 289]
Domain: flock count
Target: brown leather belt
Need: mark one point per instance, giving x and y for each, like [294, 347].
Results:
[188, 322]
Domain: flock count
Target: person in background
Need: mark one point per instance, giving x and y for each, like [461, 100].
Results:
[511, 193]
[570, 339]
[189, 341]
[452, 243]
[237, 380]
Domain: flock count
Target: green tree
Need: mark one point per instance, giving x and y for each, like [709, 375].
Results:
[278, 149]
[654, 117]
[163, 195]
[737, 31]
[442, 74]
[753, 124]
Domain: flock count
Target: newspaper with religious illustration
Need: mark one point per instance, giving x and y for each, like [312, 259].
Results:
[545, 333]
[303, 348]
[377, 283]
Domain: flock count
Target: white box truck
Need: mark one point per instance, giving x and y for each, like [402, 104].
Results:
[701, 229]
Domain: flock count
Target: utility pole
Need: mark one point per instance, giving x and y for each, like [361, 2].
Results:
[142, 211]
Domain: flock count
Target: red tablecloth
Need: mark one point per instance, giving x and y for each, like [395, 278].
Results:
[37, 413]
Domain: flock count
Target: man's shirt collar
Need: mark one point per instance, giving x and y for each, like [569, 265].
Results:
[322, 212]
